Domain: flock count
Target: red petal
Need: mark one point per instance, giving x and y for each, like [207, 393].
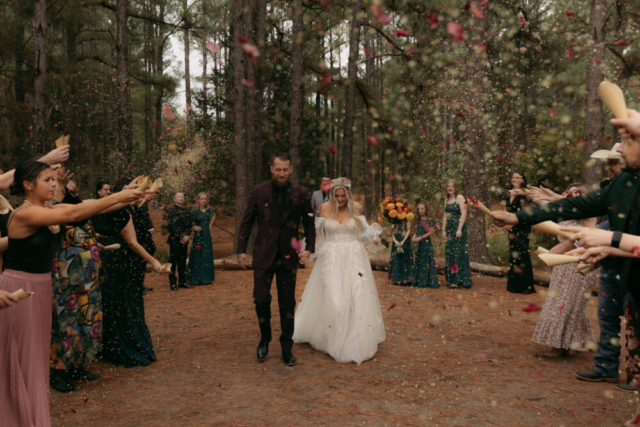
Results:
[433, 20]
[455, 31]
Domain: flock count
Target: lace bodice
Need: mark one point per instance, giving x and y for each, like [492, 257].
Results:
[330, 231]
[335, 232]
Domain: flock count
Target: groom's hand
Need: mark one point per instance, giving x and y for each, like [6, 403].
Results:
[304, 257]
[242, 260]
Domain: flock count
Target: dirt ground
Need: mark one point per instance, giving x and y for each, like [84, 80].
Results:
[452, 357]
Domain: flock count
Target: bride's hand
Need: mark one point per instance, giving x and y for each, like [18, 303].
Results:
[304, 257]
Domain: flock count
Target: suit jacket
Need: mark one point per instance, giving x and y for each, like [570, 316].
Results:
[614, 200]
[276, 227]
[316, 200]
[179, 222]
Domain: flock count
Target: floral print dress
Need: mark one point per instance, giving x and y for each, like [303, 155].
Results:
[76, 329]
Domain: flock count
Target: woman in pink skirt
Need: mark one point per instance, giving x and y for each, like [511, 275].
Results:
[25, 331]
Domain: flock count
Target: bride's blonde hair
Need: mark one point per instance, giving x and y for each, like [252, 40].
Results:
[342, 184]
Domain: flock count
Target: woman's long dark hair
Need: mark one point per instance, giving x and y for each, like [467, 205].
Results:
[28, 170]
[99, 187]
[524, 180]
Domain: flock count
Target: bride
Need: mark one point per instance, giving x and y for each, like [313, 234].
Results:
[339, 312]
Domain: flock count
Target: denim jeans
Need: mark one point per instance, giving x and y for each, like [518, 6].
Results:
[610, 308]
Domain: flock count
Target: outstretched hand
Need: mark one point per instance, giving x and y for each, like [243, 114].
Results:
[59, 155]
[503, 218]
[590, 237]
[592, 255]
[629, 128]
[540, 195]
[64, 176]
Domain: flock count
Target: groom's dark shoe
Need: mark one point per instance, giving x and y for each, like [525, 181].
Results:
[263, 349]
[288, 358]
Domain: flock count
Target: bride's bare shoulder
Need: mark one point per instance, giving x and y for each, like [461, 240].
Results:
[325, 210]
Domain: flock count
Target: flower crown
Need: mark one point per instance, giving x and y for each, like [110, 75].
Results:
[341, 182]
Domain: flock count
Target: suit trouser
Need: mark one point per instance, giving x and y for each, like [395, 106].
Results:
[610, 308]
[178, 260]
[286, 284]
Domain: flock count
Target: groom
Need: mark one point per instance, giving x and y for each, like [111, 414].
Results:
[278, 205]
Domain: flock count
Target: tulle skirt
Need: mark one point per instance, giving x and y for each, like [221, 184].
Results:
[339, 313]
[25, 335]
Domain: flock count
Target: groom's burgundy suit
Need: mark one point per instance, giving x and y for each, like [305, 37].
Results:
[278, 211]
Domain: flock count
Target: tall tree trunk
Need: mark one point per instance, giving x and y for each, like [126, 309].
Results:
[475, 171]
[594, 117]
[187, 74]
[242, 183]
[350, 104]
[125, 122]
[41, 34]
[371, 160]
[158, 67]
[330, 118]
[251, 101]
[205, 112]
[295, 122]
[261, 28]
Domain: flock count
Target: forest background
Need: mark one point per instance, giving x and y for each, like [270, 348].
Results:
[398, 95]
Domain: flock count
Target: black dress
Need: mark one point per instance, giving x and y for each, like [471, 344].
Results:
[520, 277]
[126, 338]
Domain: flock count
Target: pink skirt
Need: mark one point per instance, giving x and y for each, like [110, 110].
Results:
[25, 337]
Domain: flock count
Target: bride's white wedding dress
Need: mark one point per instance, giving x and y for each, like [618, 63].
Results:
[339, 313]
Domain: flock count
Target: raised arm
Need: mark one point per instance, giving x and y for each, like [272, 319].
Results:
[35, 216]
[58, 155]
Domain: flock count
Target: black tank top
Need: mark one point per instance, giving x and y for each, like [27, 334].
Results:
[33, 254]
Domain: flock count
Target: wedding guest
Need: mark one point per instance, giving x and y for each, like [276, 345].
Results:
[34, 232]
[144, 234]
[201, 270]
[563, 323]
[103, 189]
[425, 274]
[610, 299]
[76, 331]
[618, 200]
[179, 221]
[401, 260]
[520, 275]
[322, 195]
[126, 338]
[454, 231]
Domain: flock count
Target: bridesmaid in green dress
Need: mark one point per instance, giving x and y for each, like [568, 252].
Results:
[457, 271]
[425, 272]
[201, 256]
[401, 261]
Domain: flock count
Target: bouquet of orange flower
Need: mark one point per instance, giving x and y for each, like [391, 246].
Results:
[395, 211]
